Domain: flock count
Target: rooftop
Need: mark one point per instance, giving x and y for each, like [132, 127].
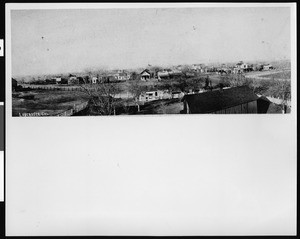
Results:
[212, 101]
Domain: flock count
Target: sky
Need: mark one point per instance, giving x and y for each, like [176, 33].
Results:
[71, 40]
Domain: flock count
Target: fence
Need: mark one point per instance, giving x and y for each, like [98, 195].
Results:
[76, 109]
[47, 87]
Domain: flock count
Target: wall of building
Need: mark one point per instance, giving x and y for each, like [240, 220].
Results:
[248, 108]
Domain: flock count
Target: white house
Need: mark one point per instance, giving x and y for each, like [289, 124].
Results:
[268, 67]
[57, 80]
[94, 80]
[177, 94]
[242, 65]
[151, 95]
[123, 76]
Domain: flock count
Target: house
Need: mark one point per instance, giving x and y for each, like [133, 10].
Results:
[237, 70]
[177, 94]
[151, 95]
[268, 67]
[57, 80]
[145, 75]
[236, 100]
[94, 80]
[241, 65]
[73, 79]
[122, 76]
[197, 67]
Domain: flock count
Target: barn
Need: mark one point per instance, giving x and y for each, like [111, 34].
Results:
[237, 100]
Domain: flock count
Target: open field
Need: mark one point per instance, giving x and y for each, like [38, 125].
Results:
[279, 75]
[46, 101]
[276, 74]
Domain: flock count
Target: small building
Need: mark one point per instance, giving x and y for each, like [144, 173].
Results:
[268, 67]
[236, 100]
[197, 67]
[72, 79]
[177, 94]
[151, 95]
[145, 75]
[57, 80]
[122, 76]
[241, 65]
[94, 80]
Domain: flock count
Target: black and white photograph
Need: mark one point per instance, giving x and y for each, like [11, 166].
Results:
[144, 61]
[185, 119]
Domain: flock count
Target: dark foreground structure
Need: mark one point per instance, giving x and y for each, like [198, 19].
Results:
[237, 100]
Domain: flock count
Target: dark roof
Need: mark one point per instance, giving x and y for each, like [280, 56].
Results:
[212, 101]
[146, 70]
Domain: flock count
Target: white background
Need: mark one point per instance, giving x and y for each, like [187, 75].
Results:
[151, 175]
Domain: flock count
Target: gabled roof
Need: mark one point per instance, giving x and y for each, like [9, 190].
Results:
[146, 70]
[212, 101]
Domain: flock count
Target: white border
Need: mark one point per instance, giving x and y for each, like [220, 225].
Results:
[210, 128]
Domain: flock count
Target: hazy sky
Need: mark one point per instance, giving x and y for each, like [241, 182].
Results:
[63, 41]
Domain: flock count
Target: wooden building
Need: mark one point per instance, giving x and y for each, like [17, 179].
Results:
[145, 75]
[237, 100]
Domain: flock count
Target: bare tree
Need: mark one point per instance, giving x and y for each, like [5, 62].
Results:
[135, 89]
[102, 97]
[282, 90]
